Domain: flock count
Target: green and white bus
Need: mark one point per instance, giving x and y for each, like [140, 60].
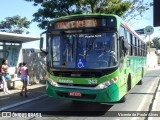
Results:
[95, 57]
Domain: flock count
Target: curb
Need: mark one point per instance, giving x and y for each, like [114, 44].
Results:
[142, 104]
[23, 102]
[154, 101]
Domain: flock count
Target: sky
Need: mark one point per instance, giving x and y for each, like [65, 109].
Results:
[9, 8]
[147, 20]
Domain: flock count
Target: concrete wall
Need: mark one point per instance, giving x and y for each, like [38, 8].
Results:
[152, 60]
[36, 62]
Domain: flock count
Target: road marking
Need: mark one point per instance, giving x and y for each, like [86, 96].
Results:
[155, 101]
[143, 100]
[23, 102]
[156, 98]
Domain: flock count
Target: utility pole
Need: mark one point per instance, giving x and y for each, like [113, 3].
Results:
[149, 31]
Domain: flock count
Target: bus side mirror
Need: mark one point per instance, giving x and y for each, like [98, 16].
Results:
[41, 43]
[121, 38]
[124, 43]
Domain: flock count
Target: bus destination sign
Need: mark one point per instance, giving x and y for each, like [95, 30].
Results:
[76, 24]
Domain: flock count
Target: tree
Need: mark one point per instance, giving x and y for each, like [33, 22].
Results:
[15, 24]
[156, 42]
[55, 8]
[51, 9]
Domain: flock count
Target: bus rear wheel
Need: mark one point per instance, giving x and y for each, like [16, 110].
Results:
[123, 99]
[140, 82]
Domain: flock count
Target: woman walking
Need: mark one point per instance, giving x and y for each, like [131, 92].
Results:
[24, 74]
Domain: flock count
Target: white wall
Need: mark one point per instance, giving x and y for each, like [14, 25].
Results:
[36, 64]
[152, 59]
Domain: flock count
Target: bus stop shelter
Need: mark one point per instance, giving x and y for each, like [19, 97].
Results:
[11, 49]
[11, 46]
[11, 37]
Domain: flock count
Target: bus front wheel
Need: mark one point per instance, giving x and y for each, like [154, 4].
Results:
[128, 87]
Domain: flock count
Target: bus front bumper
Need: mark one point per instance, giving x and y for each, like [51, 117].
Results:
[109, 94]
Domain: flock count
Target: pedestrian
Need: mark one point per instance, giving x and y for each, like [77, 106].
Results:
[24, 74]
[1, 81]
[5, 76]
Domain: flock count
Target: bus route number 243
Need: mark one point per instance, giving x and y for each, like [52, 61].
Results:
[92, 81]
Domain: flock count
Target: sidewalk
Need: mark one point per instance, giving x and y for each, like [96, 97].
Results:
[13, 99]
[156, 100]
[155, 110]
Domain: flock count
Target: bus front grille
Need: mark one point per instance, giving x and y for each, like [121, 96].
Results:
[78, 85]
[78, 75]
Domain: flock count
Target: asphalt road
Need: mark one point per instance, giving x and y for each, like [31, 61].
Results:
[140, 98]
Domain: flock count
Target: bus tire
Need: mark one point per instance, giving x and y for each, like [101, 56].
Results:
[123, 99]
[128, 87]
[76, 102]
[129, 83]
[140, 82]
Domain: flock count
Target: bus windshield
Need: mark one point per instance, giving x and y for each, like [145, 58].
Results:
[83, 51]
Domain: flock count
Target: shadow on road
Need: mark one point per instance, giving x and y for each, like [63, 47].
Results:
[77, 108]
[143, 93]
[14, 97]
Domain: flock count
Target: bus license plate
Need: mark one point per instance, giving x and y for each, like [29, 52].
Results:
[75, 94]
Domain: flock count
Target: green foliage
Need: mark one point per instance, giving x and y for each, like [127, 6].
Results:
[50, 9]
[156, 42]
[55, 8]
[136, 10]
[117, 7]
[15, 24]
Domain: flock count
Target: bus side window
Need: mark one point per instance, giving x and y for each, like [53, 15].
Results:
[131, 41]
[135, 46]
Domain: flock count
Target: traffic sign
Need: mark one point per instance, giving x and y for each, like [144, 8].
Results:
[148, 30]
[140, 31]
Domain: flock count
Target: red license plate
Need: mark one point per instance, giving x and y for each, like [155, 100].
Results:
[75, 94]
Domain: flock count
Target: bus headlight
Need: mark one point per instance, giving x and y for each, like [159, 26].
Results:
[52, 82]
[107, 83]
